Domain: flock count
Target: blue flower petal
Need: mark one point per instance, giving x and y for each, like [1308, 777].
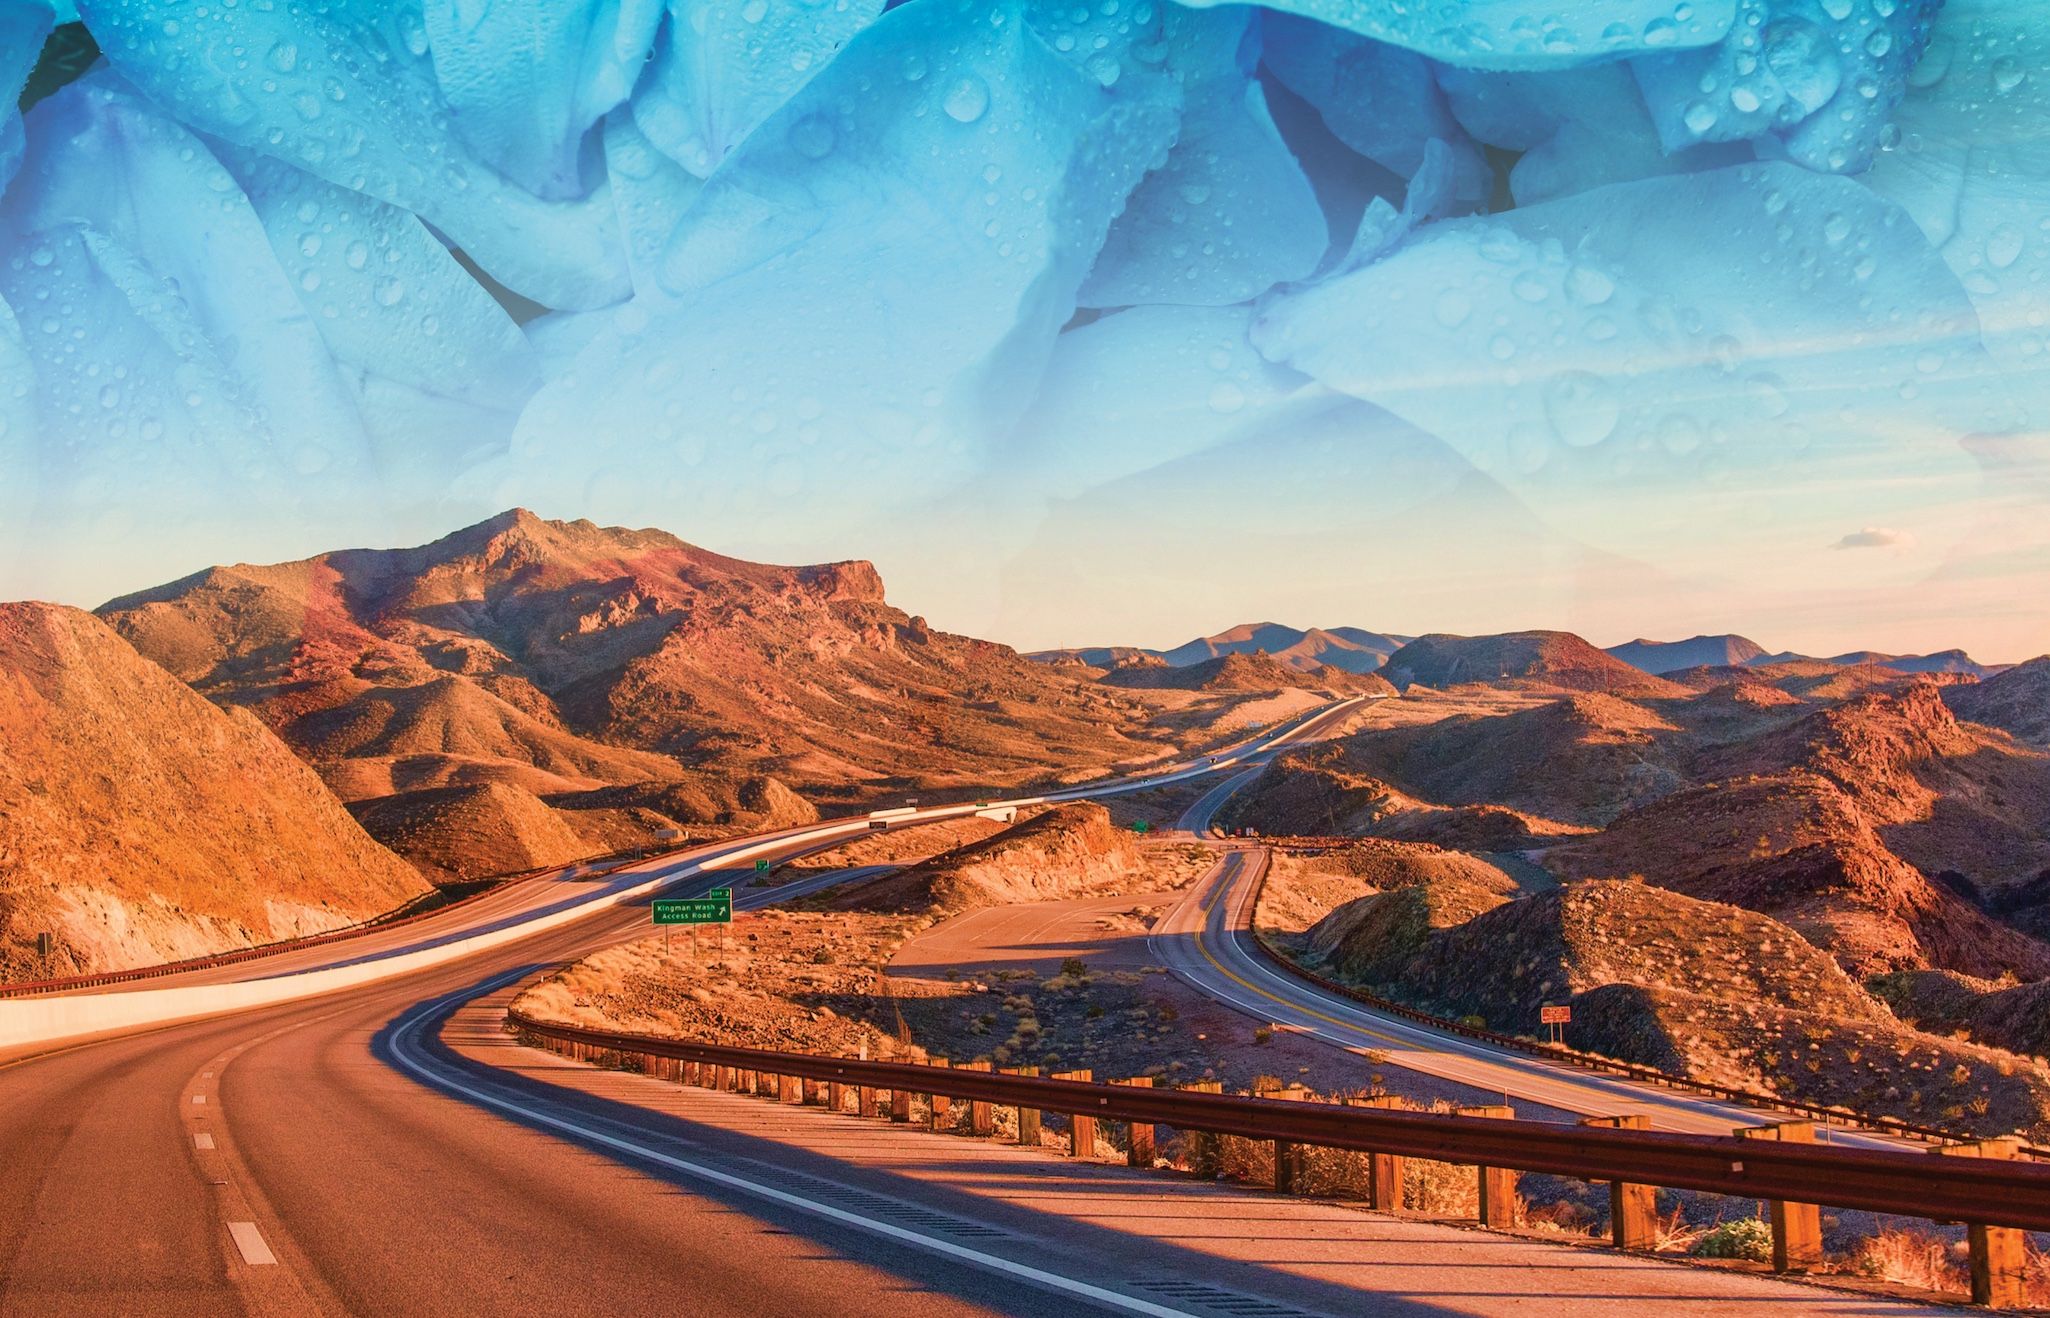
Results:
[1230, 214]
[723, 66]
[527, 79]
[347, 91]
[1510, 34]
[1820, 80]
[870, 283]
[1973, 169]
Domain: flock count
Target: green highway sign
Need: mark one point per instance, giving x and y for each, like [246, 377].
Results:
[1141, 826]
[715, 907]
[761, 865]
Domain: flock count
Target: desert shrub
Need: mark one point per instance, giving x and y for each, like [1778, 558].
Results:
[1745, 1238]
[1910, 1258]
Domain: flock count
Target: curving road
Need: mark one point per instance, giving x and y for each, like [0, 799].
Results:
[1205, 940]
[300, 1157]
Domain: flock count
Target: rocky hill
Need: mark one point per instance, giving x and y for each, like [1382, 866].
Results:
[1699, 988]
[1353, 649]
[2004, 1015]
[1068, 851]
[1582, 759]
[562, 656]
[1522, 660]
[1795, 846]
[461, 833]
[1257, 671]
[1661, 657]
[139, 823]
[1325, 791]
[2017, 702]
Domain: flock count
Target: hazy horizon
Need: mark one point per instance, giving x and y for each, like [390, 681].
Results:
[1021, 613]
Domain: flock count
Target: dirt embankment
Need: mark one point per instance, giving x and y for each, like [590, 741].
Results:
[140, 824]
[1701, 989]
[1069, 851]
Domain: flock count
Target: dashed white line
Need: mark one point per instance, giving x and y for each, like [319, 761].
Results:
[202, 1140]
[198, 1100]
[250, 1241]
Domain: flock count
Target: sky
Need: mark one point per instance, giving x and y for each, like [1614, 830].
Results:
[1115, 325]
[1336, 515]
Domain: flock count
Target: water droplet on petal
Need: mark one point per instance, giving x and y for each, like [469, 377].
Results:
[967, 100]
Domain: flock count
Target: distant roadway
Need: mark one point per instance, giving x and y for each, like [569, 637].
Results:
[1205, 940]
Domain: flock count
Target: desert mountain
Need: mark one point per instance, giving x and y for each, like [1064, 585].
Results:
[1661, 657]
[1257, 671]
[1349, 648]
[563, 657]
[1697, 987]
[1538, 660]
[1353, 649]
[139, 823]
[1837, 824]
[2017, 701]
[1944, 661]
[1097, 656]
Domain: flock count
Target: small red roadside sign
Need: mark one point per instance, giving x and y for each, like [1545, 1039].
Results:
[1555, 1015]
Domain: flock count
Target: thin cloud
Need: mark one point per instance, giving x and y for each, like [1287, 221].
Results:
[1876, 537]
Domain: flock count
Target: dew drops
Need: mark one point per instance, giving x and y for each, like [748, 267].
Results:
[967, 100]
[2004, 246]
[1589, 287]
[1226, 398]
[284, 57]
[813, 137]
[2008, 74]
[1582, 407]
[357, 254]
[390, 291]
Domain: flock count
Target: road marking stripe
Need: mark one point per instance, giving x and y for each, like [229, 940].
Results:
[250, 1241]
[202, 1140]
[976, 1257]
[198, 1099]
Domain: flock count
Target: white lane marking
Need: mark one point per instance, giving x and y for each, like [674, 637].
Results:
[994, 1263]
[198, 1099]
[250, 1241]
[202, 1140]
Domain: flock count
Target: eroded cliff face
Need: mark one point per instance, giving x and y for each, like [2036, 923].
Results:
[139, 823]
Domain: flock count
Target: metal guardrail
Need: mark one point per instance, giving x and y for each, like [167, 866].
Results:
[1983, 1191]
[1281, 961]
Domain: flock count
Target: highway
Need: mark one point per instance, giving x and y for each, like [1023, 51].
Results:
[386, 1148]
[283, 1158]
[1204, 939]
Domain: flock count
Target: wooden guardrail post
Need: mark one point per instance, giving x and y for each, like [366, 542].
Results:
[982, 1117]
[936, 1104]
[1796, 1228]
[836, 1095]
[1288, 1156]
[1028, 1117]
[1139, 1148]
[1497, 1184]
[790, 1089]
[1998, 1260]
[900, 1106]
[865, 1101]
[1082, 1141]
[1204, 1155]
[1385, 1171]
[1633, 1209]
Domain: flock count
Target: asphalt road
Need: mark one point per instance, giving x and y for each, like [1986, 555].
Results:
[1205, 940]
